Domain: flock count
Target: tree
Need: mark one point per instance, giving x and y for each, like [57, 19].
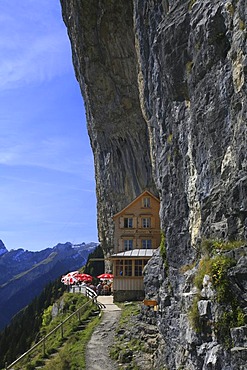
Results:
[95, 263]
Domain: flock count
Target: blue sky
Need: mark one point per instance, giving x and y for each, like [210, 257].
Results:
[47, 186]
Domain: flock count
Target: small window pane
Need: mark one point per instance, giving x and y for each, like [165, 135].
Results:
[138, 267]
[128, 268]
[128, 222]
[146, 202]
[146, 222]
[147, 244]
[128, 245]
[119, 267]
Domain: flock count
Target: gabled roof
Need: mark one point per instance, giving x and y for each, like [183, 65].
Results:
[145, 192]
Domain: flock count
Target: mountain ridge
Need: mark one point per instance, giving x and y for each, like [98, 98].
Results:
[23, 274]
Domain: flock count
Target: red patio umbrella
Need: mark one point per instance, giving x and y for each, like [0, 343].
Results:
[83, 277]
[68, 279]
[105, 276]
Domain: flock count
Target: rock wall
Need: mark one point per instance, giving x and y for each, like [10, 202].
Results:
[164, 84]
[104, 57]
[192, 63]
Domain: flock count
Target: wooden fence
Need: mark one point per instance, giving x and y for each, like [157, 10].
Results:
[90, 294]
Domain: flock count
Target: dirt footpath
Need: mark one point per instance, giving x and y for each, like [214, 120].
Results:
[97, 350]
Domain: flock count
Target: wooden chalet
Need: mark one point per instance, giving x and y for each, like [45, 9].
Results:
[136, 237]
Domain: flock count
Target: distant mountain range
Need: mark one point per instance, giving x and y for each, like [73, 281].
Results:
[23, 274]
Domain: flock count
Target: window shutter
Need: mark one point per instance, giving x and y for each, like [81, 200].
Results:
[121, 242]
[134, 243]
[121, 222]
[134, 222]
[139, 243]
[153, 222]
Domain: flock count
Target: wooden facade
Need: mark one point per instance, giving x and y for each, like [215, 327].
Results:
[136, 237]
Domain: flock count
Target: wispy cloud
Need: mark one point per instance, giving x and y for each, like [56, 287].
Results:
[40, 61]
[72, 186]
[47, 154]
[43, 51]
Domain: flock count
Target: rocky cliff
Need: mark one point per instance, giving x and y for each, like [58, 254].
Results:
[164, 85]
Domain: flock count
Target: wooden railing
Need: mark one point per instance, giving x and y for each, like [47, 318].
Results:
[90, 294]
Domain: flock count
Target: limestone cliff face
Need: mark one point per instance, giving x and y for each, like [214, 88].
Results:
[192, 62]
[105, 61]
[164, 84]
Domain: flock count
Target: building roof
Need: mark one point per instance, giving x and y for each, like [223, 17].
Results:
[134, 253]
[136, 199]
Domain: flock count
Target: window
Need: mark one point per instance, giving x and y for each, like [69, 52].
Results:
[146, 222]
[146, 243]
[128, 222]
[128, 268]
[146, 202]
[138, 267]
[119, 268]
[128, 245]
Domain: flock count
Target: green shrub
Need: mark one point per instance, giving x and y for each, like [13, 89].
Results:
[46, 318]
[218, 271]
[231, 318]
[30, 367]
[240, 317]
[216, 268]
[230, 8]
[191, 3]
[169, 139]
[242, 25]
[189, 66]
[162, 246]
[203, 269]
[194, 317]
[233, 315]
[188, 267]
[210, 246]
[163, 249]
